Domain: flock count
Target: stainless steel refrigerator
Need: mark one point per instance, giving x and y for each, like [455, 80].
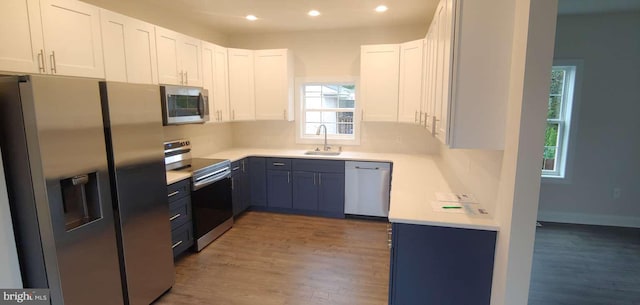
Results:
[135, 153]
[79, 230]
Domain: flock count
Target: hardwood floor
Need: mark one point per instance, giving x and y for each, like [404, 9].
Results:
[281, 259]
[585, 265]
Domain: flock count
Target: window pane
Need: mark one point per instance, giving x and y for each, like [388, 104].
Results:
[345, 117]
[311, 128]
[312, 116]
[329, 117]
[345, 128]
[550, 147]
[555, 103]
[329, 101]
[557, 81]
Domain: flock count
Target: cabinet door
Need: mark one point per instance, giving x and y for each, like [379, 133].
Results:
[241, 90]
[411, 79]
[142, 61]
[72, 38]
[443, 70]
[114, 28]
[331, 193]
[190, 59]
[279, 189]
[21, 45]
[236, 188]
[208, 73]
[305, 191]
[258, 181]
[379, 76]
[429, 83]
[167, 44]
[221, 84]
[273, 84]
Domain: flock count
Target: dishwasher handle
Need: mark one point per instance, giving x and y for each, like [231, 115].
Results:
[369, 168]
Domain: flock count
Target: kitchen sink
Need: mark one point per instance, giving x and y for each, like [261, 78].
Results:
[322, 153]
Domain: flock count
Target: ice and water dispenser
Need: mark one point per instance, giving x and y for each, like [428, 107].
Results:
[81, 200]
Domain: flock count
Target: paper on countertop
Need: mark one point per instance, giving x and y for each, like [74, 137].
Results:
[456, 197]
[465, 208]
[439, 206]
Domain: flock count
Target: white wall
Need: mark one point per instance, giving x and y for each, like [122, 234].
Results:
[206, 139]
[9, 266]
[607, 153]
[375, 137]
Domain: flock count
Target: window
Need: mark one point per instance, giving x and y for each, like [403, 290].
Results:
[563, 80]
[329, 104]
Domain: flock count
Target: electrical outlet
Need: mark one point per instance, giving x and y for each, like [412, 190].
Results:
[617, 192]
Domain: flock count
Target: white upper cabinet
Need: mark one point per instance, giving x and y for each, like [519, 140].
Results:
[72, 40]
[216, 81]
[273, 84]
[130, 49]
[21, 44]
[465, 95]
[51, 37]
[379, 77]
[411, 81]
[241, 85]
[179, 58]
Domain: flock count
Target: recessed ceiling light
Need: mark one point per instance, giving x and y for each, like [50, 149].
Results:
[313, 13]
[381, 8]
[252, 17]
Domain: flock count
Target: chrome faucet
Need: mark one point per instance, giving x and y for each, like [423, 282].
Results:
[326, 148]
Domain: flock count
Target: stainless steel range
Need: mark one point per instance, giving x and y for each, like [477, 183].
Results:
[210, 190]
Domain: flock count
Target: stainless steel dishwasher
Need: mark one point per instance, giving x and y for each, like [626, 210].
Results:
[367, 186]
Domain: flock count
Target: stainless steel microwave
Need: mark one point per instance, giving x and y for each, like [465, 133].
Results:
[184, 105]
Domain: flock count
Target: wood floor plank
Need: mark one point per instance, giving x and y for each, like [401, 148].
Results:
[277, 259]
[585, 265]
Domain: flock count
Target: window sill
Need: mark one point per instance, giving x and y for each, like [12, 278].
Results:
[549, 179]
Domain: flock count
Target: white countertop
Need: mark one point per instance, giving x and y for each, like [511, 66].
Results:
[173, 176]
[415, 180]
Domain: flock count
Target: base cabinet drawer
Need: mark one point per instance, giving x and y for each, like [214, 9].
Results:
[182, 238]
[180, 212]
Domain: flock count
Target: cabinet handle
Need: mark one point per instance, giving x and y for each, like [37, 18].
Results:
[244, 169]
[233, 184]
[173, 194]
[174, 217]
[41, 61]
[176, 244]
[319, 178]
[233, 114]
[314, 179]
[285, 114]
[434, 130]
[278, 164]
[52, 57]
[219, 115]
[235, 168]
[288, 177]
[186, 77]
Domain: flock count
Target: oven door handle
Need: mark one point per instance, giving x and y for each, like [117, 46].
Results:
[211, 178]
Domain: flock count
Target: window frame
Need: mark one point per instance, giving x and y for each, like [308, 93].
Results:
[301, 137]
[567, 121]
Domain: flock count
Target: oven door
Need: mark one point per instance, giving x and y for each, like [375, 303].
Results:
[184, 105]
[212, 210]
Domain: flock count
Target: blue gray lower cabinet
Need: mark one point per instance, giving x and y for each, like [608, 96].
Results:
[240, 188]
[179, 195]
[279, 189]
[440, 265]
[305, 191]
[331, 193]
[258, 181]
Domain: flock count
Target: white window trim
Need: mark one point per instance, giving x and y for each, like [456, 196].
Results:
[332, 140]
[567, 152]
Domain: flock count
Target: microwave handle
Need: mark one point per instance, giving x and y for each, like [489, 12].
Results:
[203, 104]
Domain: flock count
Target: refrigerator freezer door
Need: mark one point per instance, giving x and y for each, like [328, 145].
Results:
[65, 142]
[133, 118]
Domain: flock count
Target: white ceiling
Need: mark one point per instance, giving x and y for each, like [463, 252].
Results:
[571, 7]
[228, 16]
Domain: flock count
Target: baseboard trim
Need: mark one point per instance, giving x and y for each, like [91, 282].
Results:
[590, 219]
